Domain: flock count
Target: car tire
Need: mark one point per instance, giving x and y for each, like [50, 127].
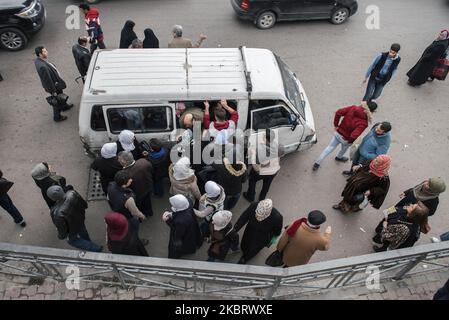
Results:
[266, 20]
[340, 15]
[12, 39]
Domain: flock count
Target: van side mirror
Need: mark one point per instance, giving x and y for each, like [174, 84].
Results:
[294, 121]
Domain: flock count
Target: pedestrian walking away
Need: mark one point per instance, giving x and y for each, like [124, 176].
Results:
[422, 71]
[6, 202]
[68, 215]
[179, 42]
[127, 35]
[349, 124]
[82, 56]
[107, 164]
[123, 237]
[303, 238]
[150, 41]
[370, 184]
[222, 236]
[263, 227]
[376, 142]
[52, 83]
[185, 235]
[381, 71]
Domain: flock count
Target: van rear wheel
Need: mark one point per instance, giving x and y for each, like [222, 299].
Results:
[266, 20]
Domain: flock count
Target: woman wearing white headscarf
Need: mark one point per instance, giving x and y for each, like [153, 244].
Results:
[128, 142]
[222, 235]
[423, 69]
[107, 164]
[183, 180]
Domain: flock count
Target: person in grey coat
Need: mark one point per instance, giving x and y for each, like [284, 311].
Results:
[51, 82]
[82, 56]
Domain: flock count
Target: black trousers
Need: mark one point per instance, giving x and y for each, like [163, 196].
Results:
[253, 178]
[97, 44]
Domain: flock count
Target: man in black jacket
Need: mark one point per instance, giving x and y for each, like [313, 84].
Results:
[51, 82]
[82, 56]
[68, 215]
[6, 202]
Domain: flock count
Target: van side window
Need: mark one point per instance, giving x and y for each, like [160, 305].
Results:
[141, 119]
[97, 122]
[270, 117]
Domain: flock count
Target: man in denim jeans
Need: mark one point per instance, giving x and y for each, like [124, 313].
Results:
[354, 120]
[68, 215]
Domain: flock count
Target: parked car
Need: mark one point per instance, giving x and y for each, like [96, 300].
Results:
[19, 20]
[265, 13]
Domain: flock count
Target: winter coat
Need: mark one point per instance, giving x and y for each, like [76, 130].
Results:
[117, 197]
[423, 69]
[107, 168]
[217, 204]
[185, 234]
[257, 234]
[142, 174]
[129, 245]
[230, 177]
[222, 241]
[400, 231]
[50, 78]
[354, 122]
[69, 214]
[373, 145]
[82, 58]
[160, 162]
[187, 187]
[431, 204]
[49, 181]
[299, 249]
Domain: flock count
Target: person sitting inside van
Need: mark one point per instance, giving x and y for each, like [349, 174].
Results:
[220, 122]
[188, 114]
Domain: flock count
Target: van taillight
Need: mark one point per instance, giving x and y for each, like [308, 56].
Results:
[245, 5]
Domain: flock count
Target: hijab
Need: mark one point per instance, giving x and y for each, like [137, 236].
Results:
[126, 138]
[128, 35]
[182, 170]
[117, 226]
[436, 186]
[150, 41]
[264, 209]
[380, 165]
[445, 34]
[179, 203]
[109, 150]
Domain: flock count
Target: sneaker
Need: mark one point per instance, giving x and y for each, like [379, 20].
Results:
[347, 173]
[245, 195]
[336, 207]
[316, 166]
[145, 242]
[23, 224]
[435, 240]
[61, 119]
[342, 159]
[379, 249]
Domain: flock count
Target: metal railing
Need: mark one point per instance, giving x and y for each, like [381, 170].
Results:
[220, 279]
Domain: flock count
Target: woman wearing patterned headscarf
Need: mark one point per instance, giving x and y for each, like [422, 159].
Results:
[263, 224]
[371, 180]
[423, 69]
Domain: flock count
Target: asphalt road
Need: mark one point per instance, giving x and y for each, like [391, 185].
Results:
[330, 62]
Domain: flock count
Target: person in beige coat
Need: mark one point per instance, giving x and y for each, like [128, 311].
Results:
[183, 180]
[302, 238]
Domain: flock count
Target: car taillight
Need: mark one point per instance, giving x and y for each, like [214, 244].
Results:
[245, 5]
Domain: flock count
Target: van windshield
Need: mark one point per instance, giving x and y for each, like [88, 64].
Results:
[291, 87]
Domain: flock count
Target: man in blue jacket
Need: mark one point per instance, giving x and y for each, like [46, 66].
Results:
[375, 143]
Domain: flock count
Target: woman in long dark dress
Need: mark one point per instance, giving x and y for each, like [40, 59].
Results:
[150, 41]
[128, 35]
[422, 71]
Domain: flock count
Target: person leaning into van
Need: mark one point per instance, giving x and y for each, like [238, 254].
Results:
[264, 167]
[82, 56]
[127, 142]
[180, 42]
[220, 122]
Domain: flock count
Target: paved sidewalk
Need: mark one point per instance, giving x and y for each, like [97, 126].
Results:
[420, 287]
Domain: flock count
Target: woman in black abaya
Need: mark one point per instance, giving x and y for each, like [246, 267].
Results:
[128, 35]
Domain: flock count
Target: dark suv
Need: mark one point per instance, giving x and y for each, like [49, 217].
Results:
[19, 19]
[265, 13]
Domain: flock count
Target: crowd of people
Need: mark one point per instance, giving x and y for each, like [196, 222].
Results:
[203, 196]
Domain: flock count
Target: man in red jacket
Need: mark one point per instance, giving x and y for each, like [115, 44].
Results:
[220, 122]
[355, 120]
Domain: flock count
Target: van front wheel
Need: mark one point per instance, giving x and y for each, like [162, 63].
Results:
[266, 20]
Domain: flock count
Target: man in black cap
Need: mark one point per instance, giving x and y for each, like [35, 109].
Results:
[68, 215]
[302, 238]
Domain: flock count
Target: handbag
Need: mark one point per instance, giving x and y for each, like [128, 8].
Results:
[275, 259]
[58, 100]
[440, 71]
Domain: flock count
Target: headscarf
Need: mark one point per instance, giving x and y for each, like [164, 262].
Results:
[436, 186]
[128, 35]
[446, 34]
[264, 209]
[380, 165]
[116, 226]
[182, 170]
[109, 150]
[221, 219]
[126, 138]
[212, 189]
[179, 203]
[150, 41]
[40, 171]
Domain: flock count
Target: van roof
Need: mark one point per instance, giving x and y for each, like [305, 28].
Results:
[182, 73]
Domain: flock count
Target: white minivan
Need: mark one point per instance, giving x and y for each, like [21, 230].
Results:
[138, 90]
